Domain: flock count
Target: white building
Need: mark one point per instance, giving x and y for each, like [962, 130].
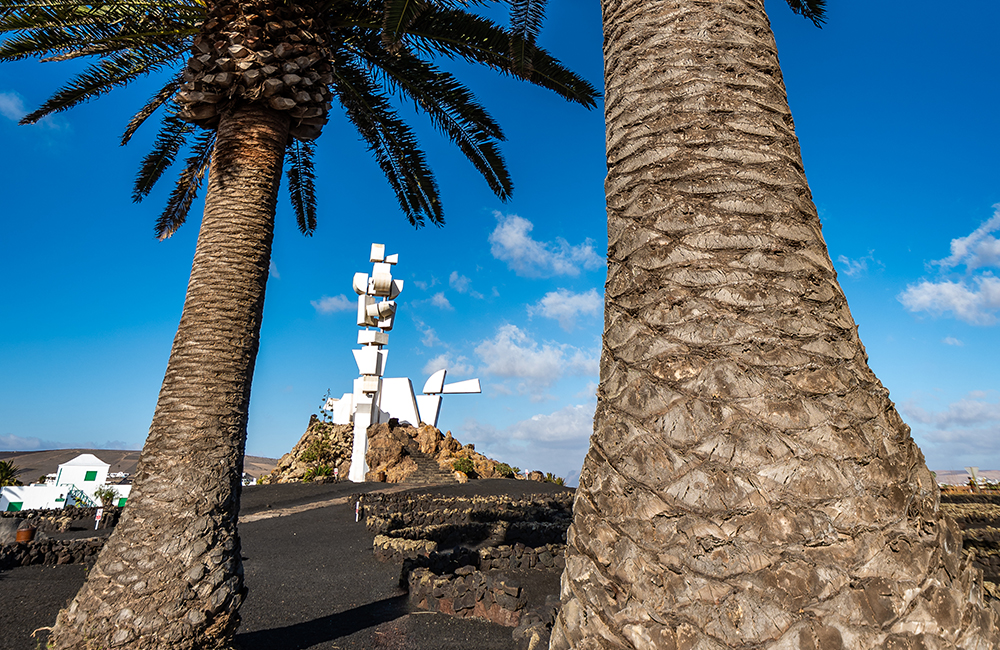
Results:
[76, 483]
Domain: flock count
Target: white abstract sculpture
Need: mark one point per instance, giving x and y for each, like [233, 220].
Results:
[376, 399]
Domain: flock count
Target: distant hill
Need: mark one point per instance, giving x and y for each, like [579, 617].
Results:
[35, 464]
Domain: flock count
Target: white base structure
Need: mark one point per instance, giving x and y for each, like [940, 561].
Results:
[376, 398]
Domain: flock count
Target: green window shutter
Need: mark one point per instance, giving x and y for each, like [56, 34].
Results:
[91, 476]
[121, 502]
[14, 506]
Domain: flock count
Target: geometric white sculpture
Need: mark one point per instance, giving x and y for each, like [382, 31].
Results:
[376, 398]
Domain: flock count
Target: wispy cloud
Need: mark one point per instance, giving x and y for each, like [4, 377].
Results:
[512, 243]
[973, 298]
[441, 300]
[975, 301]
[272, 269]
[12, 108]
[951, 340]
[330, 305]
[462, 284]
[513, 354]
[565, 306]
[454, 365]
[968, 428]
[11, 442]
[979, 249]
[549, 442]
[856, 268]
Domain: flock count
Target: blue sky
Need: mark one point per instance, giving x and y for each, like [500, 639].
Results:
[896, 107]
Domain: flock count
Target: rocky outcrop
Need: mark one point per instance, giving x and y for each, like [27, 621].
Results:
[394, 450]
[323, 447]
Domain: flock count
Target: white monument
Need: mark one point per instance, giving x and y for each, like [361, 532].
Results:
[376, 398]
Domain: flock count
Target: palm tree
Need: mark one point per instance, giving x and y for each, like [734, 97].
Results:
[8, 473]
[257, 77]
[749, 483]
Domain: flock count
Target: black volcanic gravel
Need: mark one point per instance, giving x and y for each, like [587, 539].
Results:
[313, 581]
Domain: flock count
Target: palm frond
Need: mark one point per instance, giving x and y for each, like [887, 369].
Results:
[390, 141]
[302, 184]
[186, 190]
[156, 101]
[526, 18]
[459, 34]
[174, 133]
[814, 10]
[398, 15]
[452, 109]
[117, 69]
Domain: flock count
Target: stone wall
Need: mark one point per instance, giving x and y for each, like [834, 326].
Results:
[51, 552]
[468, 593]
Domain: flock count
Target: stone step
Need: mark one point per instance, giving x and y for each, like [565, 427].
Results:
[428, 471]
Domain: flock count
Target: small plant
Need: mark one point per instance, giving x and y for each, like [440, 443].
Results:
[552, 478]
[464, 465]
[318, 452]
[314, 473]
[505, 470]
[325, 415]
[8, 473]
[107, 495]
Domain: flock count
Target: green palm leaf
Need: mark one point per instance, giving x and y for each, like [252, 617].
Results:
[174, 134]
[302, 184]
[390, 141]
[156, 101]
[186, 189]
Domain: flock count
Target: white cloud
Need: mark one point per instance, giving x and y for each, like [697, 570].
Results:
[511, 242]
[977, 250]
[512, 353]
[11, 442]
[564, 306]
[971, 410]
[974, 298]
[974, 302]
[856, 268]
[967, 431]
[455, 366]
[12, 106]
[329, 305]
[951, 340]
[440, 300]
[549, 442]
[272, 268]
[461, 284]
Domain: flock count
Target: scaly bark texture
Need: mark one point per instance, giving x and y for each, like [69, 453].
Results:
[749, 483]
[171, 575]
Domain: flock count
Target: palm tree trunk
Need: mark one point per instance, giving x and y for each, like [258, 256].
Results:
[171, 574]
[749, 483]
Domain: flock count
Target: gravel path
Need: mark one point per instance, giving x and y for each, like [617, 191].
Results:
[313, 581]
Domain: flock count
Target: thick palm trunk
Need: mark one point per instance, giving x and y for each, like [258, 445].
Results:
[171, 575]
[749, 483]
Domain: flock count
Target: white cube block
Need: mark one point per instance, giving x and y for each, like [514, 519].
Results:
[378, 252]
[372, 337]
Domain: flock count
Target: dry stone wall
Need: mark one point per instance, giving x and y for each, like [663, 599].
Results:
[51, 552]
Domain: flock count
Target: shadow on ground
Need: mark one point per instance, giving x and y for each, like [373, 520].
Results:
[325, 629]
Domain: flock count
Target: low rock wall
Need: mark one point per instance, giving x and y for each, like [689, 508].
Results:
[394, 549]
[522, 558]
[468, 593]
[51, 552]
[58, 520]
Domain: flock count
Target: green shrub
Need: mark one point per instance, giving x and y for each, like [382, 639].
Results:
[552, 478]
[317, 472]
[107, 495]
[505, 470]
[318, 451]
[464, 465]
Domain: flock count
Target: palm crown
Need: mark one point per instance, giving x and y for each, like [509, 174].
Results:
[297, 57]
